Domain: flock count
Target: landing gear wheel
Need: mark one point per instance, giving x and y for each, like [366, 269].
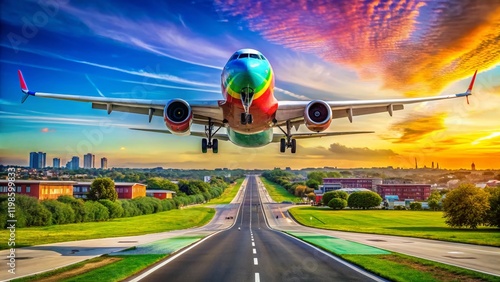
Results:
[282, 145]
[249, 119]
[204, 145]
[243, 119]
[294, 146]
[215, 146]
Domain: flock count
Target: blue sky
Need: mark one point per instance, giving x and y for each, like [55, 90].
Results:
[166, 49]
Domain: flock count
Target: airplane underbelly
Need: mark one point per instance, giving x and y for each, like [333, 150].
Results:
[250, 140]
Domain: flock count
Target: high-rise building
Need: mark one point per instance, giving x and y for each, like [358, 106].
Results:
[104, 163]
[68, 165]
[37, 160]
[89, 161]
[56, 162]
[75, 162]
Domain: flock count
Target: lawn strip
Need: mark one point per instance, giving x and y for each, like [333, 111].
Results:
[228, 194]
[278, 193]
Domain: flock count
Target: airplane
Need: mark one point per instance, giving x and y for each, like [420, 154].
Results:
[249, 111]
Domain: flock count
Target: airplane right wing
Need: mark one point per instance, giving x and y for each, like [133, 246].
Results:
[293, 111]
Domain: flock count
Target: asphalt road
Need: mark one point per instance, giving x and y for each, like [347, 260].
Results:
[250, 251]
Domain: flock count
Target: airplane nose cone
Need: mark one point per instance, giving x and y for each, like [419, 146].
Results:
[248, 74]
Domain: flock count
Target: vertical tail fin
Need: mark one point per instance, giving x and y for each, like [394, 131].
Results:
[24, 87]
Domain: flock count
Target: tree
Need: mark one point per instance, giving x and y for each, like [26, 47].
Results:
[434, 205]
[364, 200]
[102, 188]
[334, 174]
[316, 175]
[493, 217]
[312, 183]
[337, 203]
[466, 206]
[415, 206]
[300, 190]
[328, 196]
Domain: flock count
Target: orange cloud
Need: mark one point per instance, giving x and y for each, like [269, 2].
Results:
[415, 128]
[414, 46]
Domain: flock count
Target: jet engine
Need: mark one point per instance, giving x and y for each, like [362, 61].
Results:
[317, 116]
[178, 117]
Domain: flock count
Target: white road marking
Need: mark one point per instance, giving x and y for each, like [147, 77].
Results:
[455, 252]
[253, 244]
[257, 277]
[255, 261]
[252, 239]
[254, 251]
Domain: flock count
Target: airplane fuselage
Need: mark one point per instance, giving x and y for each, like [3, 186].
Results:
[247, 83]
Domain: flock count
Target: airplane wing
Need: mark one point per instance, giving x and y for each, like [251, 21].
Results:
[202, 109]
[294, 110]
[220, 136]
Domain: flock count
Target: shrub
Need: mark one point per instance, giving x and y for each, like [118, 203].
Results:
[337, 203]
[29, 211]
[115, 208]
[77, 205]
[61, 213]
[364, 200]
[400, 208]
[129, 208]
[95, 211]
[415, 206]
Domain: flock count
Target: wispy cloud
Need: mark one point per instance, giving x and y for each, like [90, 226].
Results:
[415, 128]
[91, 82]
[417, 47]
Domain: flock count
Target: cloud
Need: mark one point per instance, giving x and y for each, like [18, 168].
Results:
[46, 130]
[417, 47]
[415, 128]
[344, 152]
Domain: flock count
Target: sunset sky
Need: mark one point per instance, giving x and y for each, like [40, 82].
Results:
[329, 50]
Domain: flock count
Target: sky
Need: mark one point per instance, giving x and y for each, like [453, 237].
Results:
[328, 50]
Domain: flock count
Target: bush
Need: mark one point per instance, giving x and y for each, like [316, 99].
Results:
[95, 211]
[415, 206]
[493, 217]
[400, 208]
[466, 206]
[77, 205]
[115, 209]
[337, 203]
[328, 196]
[129, 208]
[364, 200]
[144, 205]
[61, 213]
[29, 211]
[434, 205]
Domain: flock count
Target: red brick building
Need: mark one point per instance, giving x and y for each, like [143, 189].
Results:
[160, 194]
[40, 189]
[125, 190]
[418, 192]
[331, 184]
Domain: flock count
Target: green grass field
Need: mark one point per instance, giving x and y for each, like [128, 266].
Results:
[130, 226]
[278, 193]
[420, 224]
[228, 194]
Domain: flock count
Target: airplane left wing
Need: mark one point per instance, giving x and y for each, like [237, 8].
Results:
[202, 109]
[294, 110]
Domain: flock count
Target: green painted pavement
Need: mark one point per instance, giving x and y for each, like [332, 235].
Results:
[164, 246]
[339, 246]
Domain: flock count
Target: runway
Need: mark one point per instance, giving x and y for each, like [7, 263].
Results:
[251, 251]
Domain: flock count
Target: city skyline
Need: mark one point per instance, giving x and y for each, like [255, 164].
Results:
[176, 50]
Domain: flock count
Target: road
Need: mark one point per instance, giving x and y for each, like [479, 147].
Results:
[251, 251]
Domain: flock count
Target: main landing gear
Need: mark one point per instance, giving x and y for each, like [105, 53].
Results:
[210, 142]
[288, 142]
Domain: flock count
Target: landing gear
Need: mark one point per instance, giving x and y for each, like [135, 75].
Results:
[246, 118]
[288, 142]
[209, 143]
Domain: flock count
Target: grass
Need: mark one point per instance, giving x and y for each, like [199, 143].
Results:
[144, 224]
[117, 269]
[278, 193]
[420, 224]
[228, 194]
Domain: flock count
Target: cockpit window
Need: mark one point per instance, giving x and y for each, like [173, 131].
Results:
[262, 57]
[254, 56]
[243, 56]
[233, 57]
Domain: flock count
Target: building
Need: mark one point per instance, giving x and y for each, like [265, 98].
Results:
[40, 189]
[472, 166]
[75, 163]
[104, 163]
[89, 161]
[125, 190]
[417, 192]
[331, 184]
[38, 160]
[56, 162]
[160, 194]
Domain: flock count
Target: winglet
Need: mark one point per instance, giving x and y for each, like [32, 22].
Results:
[469, 90]
[24, 87]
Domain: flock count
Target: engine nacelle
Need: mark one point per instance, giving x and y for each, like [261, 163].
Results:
[318, 116]
[178, 117]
